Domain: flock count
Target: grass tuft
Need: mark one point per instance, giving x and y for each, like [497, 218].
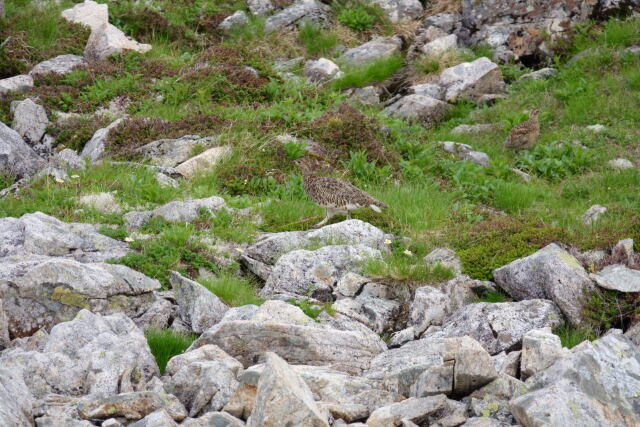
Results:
[166, 343]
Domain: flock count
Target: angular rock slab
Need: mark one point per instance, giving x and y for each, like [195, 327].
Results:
[132, 406]
[618, 278]
[551, 273]
[298, 13]
[91, 355]
[248, 340]
[302, 272]
[400, 10]
[203, 161]
[172, 152]
[61, 65]
[499, 326]
[29, 120]
[471, 80]
[16, 401]
[94, 148]
[41, 292]
[460, 364]
[41, 234]
[598, 384]
[17, 159]
[283, 398]
[268, 249]
[376, 49]
[419, 411]
[198, 307]
[183, 211]
[21, 83]
[540, 349]
[419, 108]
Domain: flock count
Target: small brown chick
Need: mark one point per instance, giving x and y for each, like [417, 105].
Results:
[334, 194]
[525, 134]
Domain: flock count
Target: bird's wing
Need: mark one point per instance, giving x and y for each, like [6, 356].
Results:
[340, 187]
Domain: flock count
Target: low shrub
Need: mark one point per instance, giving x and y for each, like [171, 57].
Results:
[357, 18]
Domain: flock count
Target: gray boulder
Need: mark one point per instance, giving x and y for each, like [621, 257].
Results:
[471, 80]
[432, 410]
[260, 7]
[61, 65]
[473, 129]
[298, 13]
[41, 234]
[264, 253]
[540, 349]
[210, 419]
[206, 353]
[301, 341]
[499, 326]
[618, 278]
[598, 384]
[16, 401]
[418, 108]
[183, 211]
[321, 70]
[198, 307]
[550, 273]
[444, 257]
[400, 10]
[593, 214]
[108, 40]
[376, 49]
[283, 398]
[303, 272]
[132, 406]
[94, 148]
[454, 366]
[158, 418]
[621, 164]
[378, 314]
[440, 45]
[101, 202]
[40, 292]
[67, 159]
[172, 152]
[92, 355]
[237, 19]
[29, 120]
[21, 83]
[492, 400]
[17, 159]
[541, 74]
[429, 90]
[203, 385]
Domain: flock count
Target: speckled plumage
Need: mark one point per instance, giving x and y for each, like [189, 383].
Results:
[525, 134]
[335, 195]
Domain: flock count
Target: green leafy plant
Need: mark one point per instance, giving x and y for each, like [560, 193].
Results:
[166, 343]
[365, 171]
[554, 161]
[357, 18]
[294, 150]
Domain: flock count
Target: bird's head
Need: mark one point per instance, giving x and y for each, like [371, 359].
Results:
[535, 113]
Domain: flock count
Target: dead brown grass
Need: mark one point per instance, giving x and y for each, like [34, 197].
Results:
[442, 6]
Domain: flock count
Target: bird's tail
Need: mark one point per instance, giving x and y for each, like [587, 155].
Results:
[378, 206]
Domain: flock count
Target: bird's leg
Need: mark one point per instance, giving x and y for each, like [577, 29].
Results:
[330, 214]
[348, 214]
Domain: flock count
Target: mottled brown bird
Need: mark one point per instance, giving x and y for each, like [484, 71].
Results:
[335, 195]
[525, 134]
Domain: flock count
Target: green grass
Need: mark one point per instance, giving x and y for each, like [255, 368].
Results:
[375, 71]
[165, 344]
[493, 297]
[175, 246]
[357, 18]
[571, 337]
[233, 290]
[313, 310]
[316, 40]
